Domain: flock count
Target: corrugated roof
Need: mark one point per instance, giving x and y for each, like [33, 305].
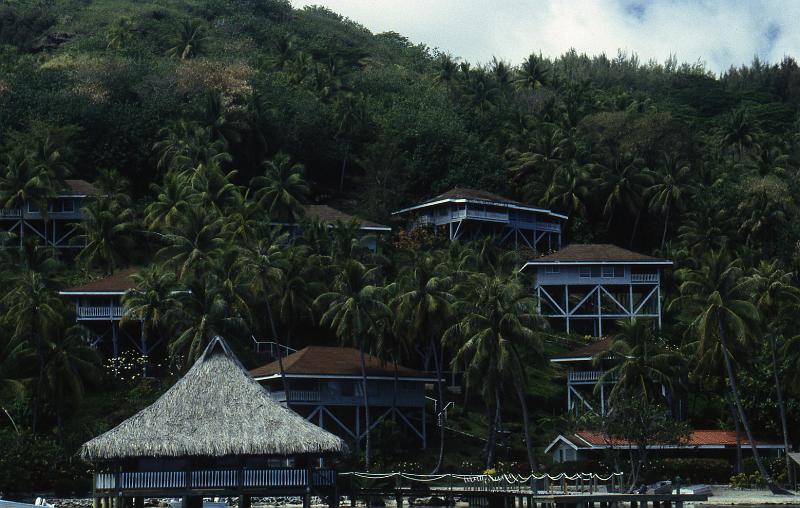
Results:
[596, 252]
[586, 351]
[342, 361]
[79, 188]
[329, 215]
[119, 282]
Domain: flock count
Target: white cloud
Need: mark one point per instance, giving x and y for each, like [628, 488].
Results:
[720, 33]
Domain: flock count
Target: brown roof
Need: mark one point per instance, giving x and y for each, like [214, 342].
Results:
[464, 193]
[587, 351]
[79, 188]
[119, 282]
[342, 361]
[595, 253]
[695, 438]
[329, 215]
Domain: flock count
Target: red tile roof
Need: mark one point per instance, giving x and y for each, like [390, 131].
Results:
[329, 215]
[695, 438]
[119, 282]
[595, 253]
[79, 188]
[342, 361]
[587, 351]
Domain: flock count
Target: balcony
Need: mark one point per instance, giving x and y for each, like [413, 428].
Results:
[10, 213]
[587, 376]
[644, 277]
[218, 479]
[99, 312]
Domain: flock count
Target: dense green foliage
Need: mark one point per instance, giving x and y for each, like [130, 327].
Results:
[201, 119]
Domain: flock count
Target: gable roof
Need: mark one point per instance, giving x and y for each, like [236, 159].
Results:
[215, 410]
[585, 352]
[330, 361]
[466, 195]
[116, 284]
[699, 438]
[329, 215]
[595, 253]
[78, 188]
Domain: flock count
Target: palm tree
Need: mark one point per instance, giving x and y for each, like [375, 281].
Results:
[185, 144]
[671, 187]
[189, 40]
[296, 289]
[775, 296]
[354, 309]
[119, 33]
[423, 310]
[446, 69]
[496, 327]
[148, 303]
[716, 300]
[36, 311]
[105, 231]
[212, 187]
[13, 354]
[639, 363]
[194, 243]
[221, 122]
[626, 181]
[569, 189]
[739, 131]
[172, 200]
[22, 182]
[282, 189]
[534, 73]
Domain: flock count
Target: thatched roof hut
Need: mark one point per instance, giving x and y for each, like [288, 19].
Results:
[215, 410]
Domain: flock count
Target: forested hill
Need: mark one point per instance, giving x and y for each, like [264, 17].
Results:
[379, 122]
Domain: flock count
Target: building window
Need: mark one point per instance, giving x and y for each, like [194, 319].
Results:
[619, 271]
[586, 272]
[608, 272]
[595, 271]
[33, 207]
[68, 205]
[552, 269]
[348, 389]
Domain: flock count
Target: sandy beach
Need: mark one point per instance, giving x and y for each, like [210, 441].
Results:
[724, 495]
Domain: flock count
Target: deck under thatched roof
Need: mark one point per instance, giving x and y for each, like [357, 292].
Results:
[215, 410]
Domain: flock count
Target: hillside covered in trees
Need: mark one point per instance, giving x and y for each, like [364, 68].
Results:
[199, 120]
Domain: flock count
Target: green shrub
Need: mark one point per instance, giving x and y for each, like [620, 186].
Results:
[40, 465]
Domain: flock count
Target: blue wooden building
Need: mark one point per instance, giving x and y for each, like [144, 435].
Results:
[584, 287]
[325, 387]
[468, 214]
[26, 219]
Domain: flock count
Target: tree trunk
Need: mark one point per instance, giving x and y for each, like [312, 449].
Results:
[367, 449]
[737, 426]
[437, 362]
[341, 173]
[280, 350]
[635, 227]
[740, 409]
[666, 226]
[491, 419]
[781, 407]
[534, 466]
[396, 387]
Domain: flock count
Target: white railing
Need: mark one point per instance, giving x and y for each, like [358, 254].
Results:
[275, 477]
[479, 214]
[213, 478]
[152, 480]
[304, 395]
[100, 311]
[644, 277]
[10, 212]
[587, 375]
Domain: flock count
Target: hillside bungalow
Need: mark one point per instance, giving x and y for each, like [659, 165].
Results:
[325, 386]
[63, 212]
[330, 216]
[591, 445]
[468, 214]
[582, 377]
[98, 306]
[582, 287]
[216, 432]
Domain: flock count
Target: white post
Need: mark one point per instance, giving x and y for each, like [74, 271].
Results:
[658, 303]
[566, 304]
[599, 312]
[602, 400]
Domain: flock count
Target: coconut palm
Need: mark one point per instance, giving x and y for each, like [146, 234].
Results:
[172, 200]
[105, 230]
[212, 186]
[222, 123]
[671, 188]
[446, 69]
[626, 180]
[776, 296]
[190, 39]
[296, 289]
[23, 182]
[148, 303]
[533, 73]
[423, 311]
[36, 312]
[120, 33]
[739, 131]
[639, 363]
[716, 299]
[183, 145]
[194, 243]
[282, 189]
[496, 327]
[355, 310]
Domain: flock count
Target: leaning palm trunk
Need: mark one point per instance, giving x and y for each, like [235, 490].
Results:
[525, 421]
[666, 226]
[279, 347]
[781, 407]
[437, 361]
[366, 407]
[740, 410]
[738, 430]
[635, 226]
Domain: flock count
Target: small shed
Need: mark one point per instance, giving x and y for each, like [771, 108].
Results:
[216, 432]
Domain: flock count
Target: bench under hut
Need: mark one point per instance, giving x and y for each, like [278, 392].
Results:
[215, 433]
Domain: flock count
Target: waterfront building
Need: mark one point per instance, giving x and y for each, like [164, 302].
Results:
[215, 433]
[469, 214]
[325, 387]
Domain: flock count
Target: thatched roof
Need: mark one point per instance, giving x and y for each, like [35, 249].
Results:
[215, 410]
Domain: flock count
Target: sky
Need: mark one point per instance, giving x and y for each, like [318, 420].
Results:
[718, 33]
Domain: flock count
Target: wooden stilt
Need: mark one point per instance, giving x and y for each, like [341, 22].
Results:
[245, 501]
[138, 502]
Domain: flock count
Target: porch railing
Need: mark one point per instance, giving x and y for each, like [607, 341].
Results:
[100, 311]
[214, 479]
